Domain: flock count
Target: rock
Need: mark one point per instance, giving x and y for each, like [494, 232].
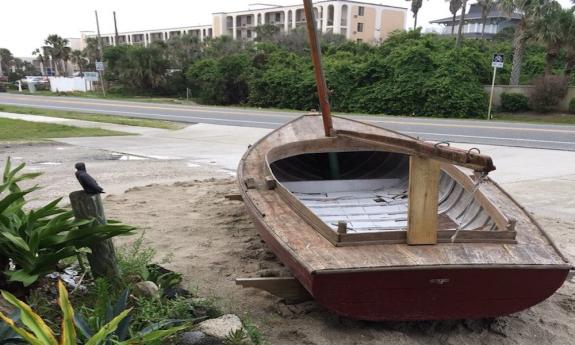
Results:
[146, 289]
[222, 326]
[198, 338]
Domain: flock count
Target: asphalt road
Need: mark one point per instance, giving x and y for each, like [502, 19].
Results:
[558, 137]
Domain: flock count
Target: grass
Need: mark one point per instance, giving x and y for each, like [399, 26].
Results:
[561, 119]
[15, 130]
[119, 120]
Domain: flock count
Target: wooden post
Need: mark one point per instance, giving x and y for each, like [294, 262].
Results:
[103, 257]
[423, 195]
[342, 227]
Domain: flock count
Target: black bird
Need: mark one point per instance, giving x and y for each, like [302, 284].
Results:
[86, 181]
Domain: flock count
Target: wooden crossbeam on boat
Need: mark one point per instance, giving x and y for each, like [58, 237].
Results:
[466, 158]
[287, 288]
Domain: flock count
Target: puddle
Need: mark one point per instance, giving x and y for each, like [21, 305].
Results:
[229, 172]
[49, 163]
[131, 158]
[124, 157]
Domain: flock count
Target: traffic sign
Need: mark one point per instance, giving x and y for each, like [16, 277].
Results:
[497, 61]
[99, 66]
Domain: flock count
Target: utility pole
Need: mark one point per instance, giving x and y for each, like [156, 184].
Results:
[116, 37]
[100, 47]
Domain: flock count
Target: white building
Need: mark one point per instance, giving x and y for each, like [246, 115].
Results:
[357, 21]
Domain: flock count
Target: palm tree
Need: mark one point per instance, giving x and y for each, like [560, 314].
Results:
[454, 6]
[77, 57]
[42, 54]
[529, 11]
[59, 50]
[91, 50]
[461, 23]
[415, 7]
[486, 7]
[570, 47]
[553, 28]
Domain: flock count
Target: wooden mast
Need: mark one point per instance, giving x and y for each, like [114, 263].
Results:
[319, 76]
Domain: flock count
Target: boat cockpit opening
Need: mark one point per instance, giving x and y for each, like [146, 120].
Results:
[368, 190]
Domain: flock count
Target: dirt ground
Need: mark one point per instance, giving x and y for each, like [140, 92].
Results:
[212, 241]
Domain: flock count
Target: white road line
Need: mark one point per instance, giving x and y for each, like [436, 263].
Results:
[496, 138]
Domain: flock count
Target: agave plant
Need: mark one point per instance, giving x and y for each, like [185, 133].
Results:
[36, 240]
[86, 325]
[37, 331]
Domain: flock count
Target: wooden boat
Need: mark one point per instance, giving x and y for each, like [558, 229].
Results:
[377, 225]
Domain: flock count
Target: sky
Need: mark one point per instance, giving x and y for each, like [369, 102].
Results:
[25, 24]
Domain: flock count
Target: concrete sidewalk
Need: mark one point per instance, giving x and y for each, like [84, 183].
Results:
[544, 179]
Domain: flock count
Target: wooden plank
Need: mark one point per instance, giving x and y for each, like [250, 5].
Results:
[236, 197]
[250, 182]
[270, 182]
[288, 288]
[501, 219]
[422, 201]
[466, 158]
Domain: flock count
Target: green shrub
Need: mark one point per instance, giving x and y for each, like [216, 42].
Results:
[548, 91]
[37, 331]
[36, 240]
[514, 102]
[572, 106]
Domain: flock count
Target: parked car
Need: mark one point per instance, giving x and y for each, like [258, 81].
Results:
[42, 83]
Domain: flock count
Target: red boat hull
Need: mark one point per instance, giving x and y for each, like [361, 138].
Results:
[435, 294]
[420, 293]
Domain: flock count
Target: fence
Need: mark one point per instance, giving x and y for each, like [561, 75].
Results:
[526, 90]
[69, 84]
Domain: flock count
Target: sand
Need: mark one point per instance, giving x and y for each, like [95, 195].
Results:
[212, 241]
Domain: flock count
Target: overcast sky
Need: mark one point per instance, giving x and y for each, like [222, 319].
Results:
[24, 24]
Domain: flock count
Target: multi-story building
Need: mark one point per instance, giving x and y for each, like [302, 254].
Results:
[357, 21]
[145, 37]
[496, 21]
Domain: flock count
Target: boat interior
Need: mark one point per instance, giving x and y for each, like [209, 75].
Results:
[366, 192]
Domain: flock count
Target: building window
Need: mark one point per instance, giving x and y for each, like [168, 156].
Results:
[361, 11]
[278, 17]
[359, 27]
[359, 40]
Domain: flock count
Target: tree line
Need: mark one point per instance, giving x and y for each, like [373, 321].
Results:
[541, 21]
[411, 73]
